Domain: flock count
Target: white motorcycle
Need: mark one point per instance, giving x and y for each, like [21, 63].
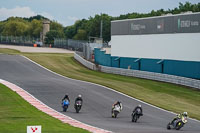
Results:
[116, 110]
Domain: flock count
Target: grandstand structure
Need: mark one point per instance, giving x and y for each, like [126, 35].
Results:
[165, 44]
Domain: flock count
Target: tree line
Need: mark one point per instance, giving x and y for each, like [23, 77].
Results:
[81, 29]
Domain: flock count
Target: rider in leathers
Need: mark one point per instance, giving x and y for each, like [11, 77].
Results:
[179, 116]
[79, 98]
[113, 106]
[138, 107]
[66, 97]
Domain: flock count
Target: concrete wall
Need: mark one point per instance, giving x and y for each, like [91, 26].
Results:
[142, 43]
[183, 46]
[101, 57]
[142, 74]
[190, 69]
[151, 65]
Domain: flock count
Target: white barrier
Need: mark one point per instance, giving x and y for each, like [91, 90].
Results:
[142, 74]
[84, 62]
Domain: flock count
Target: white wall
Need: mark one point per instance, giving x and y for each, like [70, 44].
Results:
[183, 46]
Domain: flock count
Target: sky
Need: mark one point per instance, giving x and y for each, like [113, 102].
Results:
[67, 12]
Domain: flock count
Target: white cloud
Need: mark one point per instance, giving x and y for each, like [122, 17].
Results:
[21, 12]
[16, 12]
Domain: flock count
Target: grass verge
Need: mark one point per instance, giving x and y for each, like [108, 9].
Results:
[16, 114]
[165, 95]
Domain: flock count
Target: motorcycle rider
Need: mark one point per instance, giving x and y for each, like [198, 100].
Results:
[66, 97]
[139, 107]
[79, 98]
[179, 116]
[113, 106]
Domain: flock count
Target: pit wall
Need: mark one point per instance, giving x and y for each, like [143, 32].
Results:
[189, 69]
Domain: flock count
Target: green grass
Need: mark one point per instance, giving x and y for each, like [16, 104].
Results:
[9, 51]
[168, 96]
[16, 114]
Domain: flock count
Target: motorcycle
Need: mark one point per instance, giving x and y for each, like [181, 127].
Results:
[116, 111]
[177, 124]
[77, 106]
[136, 115]
[65, 104]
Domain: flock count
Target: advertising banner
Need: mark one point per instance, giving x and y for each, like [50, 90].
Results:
[182, 23]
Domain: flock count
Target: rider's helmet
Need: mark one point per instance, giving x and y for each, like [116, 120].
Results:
[118, 102]
[79, 96]
[185, 114]
[140, 106]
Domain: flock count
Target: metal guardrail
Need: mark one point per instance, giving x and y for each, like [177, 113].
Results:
[84, 62]
[141, 74]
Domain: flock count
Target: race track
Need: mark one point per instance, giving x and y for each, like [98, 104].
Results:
[51, 88]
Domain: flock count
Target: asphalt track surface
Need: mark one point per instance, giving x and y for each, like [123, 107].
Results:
[96, 111]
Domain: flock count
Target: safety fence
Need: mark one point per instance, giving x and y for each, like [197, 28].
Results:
[18, 40]
[141, 74]
[76, 45]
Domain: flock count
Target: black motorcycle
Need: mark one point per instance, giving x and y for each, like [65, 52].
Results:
[136, 115]
[78, 106]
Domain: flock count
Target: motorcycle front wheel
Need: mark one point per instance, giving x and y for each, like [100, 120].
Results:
[134, 118]
[179, 125]
[77, 109]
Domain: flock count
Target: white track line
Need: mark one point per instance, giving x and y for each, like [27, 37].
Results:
[46, 109]
[104, 87]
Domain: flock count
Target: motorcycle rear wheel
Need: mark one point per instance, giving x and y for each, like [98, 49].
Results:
[77, 110]
[65, 108]
[168, 126]
[115, 114]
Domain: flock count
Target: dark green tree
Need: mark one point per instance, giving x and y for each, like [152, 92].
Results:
[51, 35]
[81, 35]
[56, 26]
[70, 31]
[35, 28]
[15, 28]
[37, 17]
[2, 24]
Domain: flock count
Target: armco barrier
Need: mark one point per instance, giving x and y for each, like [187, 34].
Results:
[142, 74]
[85, 62]
[153, 76]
